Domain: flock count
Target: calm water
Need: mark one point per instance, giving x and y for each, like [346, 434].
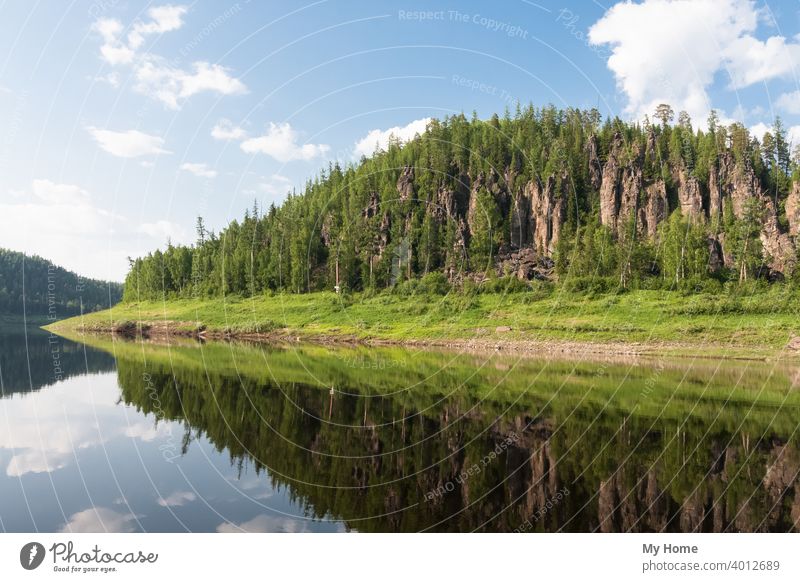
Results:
[121, 436]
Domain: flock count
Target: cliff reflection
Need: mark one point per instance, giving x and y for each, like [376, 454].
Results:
[461, 443]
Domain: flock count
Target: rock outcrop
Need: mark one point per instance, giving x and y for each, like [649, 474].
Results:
[690, 196]
[405, 184]
[654, 210]
[793, 210]
[610, 185]
[631, 194]
[777, 245]
[547, 214]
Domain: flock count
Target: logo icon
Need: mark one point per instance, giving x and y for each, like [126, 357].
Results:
[31, 555]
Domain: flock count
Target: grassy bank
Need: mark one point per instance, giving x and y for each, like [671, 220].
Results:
[758, 324]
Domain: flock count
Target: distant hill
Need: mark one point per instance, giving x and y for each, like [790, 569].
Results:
[38, 288]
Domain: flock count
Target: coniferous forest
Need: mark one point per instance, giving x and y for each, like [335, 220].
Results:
[549, 194]
[36, 287]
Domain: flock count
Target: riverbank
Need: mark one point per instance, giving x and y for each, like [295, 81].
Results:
[763, 326]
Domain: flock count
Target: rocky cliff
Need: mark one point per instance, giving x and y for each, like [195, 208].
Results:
[626, 198]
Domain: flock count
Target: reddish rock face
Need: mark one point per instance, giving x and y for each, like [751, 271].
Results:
[405, 184]
[793, 210]
[627, 192]
[595, 168]
[547, 214]
[690, 197]
[610, 186]
[777, 245]
[654, 210]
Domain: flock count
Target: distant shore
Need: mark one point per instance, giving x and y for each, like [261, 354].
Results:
[637, 323]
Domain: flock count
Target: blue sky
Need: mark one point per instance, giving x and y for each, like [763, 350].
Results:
[121, 121]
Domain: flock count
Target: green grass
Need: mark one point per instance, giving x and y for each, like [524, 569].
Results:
[757, 325]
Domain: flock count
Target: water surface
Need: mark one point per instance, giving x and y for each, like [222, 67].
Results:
[126, 436]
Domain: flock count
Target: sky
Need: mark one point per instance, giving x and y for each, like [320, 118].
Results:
[122, 121]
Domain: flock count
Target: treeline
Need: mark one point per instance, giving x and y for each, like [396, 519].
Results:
[36, 287]
[451, 204]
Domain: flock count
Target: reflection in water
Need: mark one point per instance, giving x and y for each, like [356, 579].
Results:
[31, 359]
[421, 441]
[227, 437]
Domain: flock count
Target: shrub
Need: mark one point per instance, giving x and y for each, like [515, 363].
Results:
[435, 284]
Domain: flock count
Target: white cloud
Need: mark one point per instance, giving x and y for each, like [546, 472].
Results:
[276, 185]
[112, 79]
[199, 170]
[170, 85]
[113, 51]
[37, 439]
[99, 520]
[177, 499]
[380, 137]
[668, 51]
[226, 130]
[793, 135]
[154, 77]
[789, 102]
[280, 142]
[750, 60]
[74, 232]
[162, 230]
[759, 129]
[81, 235]
[162, 19]
[127, 144]
[54, 193]
[264, 524]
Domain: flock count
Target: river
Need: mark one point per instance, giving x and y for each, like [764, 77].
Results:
[147, 436]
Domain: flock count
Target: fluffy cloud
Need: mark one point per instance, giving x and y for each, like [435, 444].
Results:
[792, 133]
[281, 142]
[162, 19]
[199, 170]
[74, 222]
[380, 137]
[127, 144]
[99, 520]
[276, 185]
[117, 51]
[789, 102]
[171, 85]
[670, 50]
[264, 524]
[177, 499]
[154, 77]
[226, 130]
[162, 230]
[751, 61]
[112, 51]
[54, 193]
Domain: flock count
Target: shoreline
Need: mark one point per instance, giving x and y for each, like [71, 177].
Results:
[523, 347]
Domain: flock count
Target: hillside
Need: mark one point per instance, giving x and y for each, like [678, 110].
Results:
[34, 286]
[543, 194]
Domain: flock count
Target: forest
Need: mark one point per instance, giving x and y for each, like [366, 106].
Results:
[35, 287]
[543, 193]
